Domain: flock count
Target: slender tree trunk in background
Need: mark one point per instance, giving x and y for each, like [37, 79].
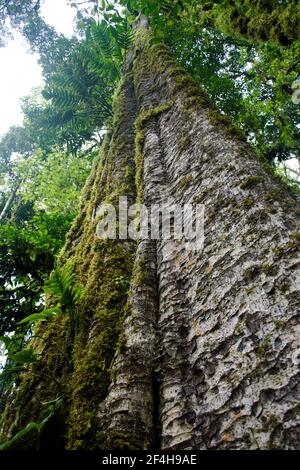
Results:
[10, 201]
[201, 352]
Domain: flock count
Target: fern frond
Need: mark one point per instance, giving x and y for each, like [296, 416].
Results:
[99, 34]
[123, 34]
[62, 97]
[59, 285]
[41, 316]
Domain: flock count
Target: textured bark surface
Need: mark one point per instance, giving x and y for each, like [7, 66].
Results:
[225, 344]
[207, 357]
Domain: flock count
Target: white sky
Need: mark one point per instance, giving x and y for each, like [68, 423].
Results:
[20, 71]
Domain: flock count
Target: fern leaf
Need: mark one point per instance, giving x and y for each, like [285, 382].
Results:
[41, 316]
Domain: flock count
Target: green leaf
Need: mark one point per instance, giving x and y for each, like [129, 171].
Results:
[30, 427]
[26, 356]
[41, 316]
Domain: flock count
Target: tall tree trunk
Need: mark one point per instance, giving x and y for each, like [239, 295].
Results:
[201, 352]
[10, 201]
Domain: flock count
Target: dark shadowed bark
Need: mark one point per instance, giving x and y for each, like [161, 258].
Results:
[201, 351]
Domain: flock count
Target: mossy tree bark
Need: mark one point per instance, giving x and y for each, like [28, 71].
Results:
[191, 350]
[260, 20]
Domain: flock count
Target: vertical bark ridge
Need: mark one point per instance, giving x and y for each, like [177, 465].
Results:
[173, 299]
[128, 409]
[106, 265]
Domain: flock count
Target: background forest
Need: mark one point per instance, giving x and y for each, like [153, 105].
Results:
[246, 55]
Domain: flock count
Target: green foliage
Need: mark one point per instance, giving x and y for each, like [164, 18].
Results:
[27, 254]
[61, 288]
[17, 141]
[61, 285]
[53, 182]
[19, 12]
[17, 358]
[272, 20]
[252, 86]
[26, 356]
[20, 435]
[25, 260]
[246, 55]
[41, 316]
[34, 426]
[35, 224]
[77, 99]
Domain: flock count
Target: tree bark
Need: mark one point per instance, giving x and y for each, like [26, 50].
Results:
[203, 352]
